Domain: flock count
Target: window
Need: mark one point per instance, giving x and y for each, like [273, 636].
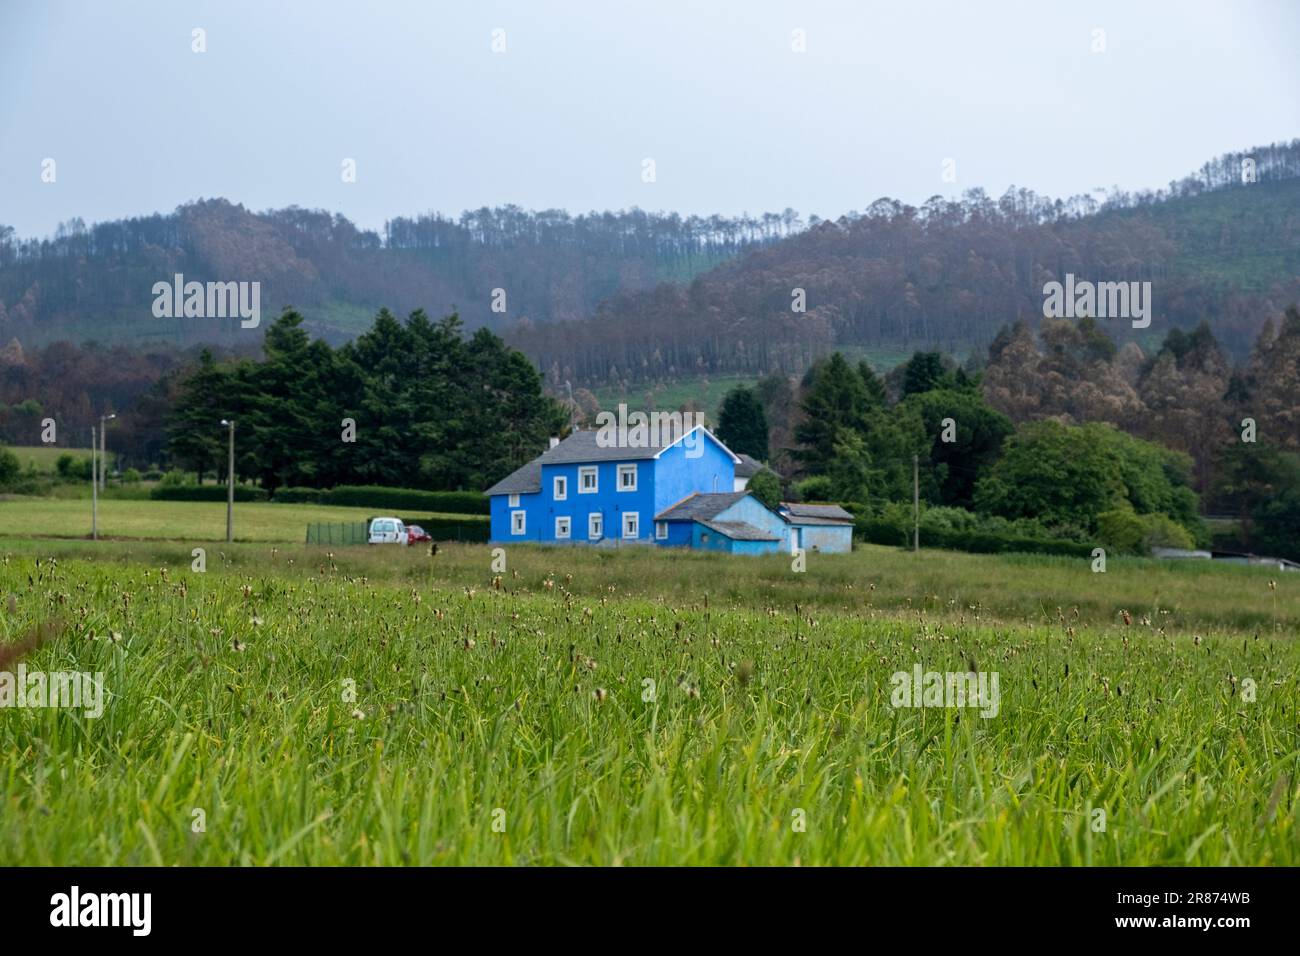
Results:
[517, 522]
[631, 524]
[587, 481]
[595, 526]
[627, 477]
[561, 488]
[562, 526]
[661, 530]
[514, 501]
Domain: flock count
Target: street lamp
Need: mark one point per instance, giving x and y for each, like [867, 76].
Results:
[103, 460]
[94, 489]
[230, 482]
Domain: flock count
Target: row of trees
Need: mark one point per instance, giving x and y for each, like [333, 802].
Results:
[75, 385]
[1062, 430]
[414, 404]
[1188, 395]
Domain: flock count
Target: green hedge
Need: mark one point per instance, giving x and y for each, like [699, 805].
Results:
[298, 496]
[449, 529]
[411, 499]
[878, 530]
[205, 493]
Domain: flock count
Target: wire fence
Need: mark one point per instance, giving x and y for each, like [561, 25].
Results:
[347, 532]
[471, 529]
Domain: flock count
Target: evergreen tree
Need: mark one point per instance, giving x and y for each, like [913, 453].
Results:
[195, 437]
[977, 434]
[742, 424]
[924, 371]
[877, 395]
[836, 400]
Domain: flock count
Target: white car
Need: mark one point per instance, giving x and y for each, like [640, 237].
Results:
[387, 531]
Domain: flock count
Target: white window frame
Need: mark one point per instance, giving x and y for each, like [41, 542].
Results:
[519, 522]
[514, 501]
[595, 526]
[626, 470]
[636, 525]
[594, 472]
[568, 527]
[560, 488]
[661, 530]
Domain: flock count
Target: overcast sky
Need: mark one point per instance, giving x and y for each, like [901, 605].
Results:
[734, 119]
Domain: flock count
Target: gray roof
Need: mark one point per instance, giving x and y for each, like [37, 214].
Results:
[814, 514]
[700, 507]
[748, 467]
[521, 481]
[579, 448]
[740, 531]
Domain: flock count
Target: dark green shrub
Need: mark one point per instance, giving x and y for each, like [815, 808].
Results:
[166, 492]
[298, 496]
[411, 499]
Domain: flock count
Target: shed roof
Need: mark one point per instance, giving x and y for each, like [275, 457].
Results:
[796, 513]
[740, 531]
[700, 506]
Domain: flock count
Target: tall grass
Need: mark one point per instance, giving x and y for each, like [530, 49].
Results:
[523, 702]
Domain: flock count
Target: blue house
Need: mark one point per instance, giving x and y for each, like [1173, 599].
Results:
[678, 494]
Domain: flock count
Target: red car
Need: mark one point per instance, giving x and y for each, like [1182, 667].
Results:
[416, 534]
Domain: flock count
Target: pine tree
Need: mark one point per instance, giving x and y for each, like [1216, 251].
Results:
[742, 424]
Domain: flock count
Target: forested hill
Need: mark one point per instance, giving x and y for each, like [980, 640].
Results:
[94, 283]
[634, 297]
[950, 274]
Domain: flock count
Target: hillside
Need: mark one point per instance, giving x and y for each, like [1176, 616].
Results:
[94, 283]
[619, 302]
[950, 274]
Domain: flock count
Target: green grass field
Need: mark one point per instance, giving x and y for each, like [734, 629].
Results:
[196, 521]
[44, 457]
[707, 393]
[382, 706]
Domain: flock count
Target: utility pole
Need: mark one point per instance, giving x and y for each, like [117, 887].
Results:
[94, 489]
[916, 503]
[103, 450]
[230, 483]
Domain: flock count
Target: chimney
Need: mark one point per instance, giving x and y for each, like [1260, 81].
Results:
[554, 441]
